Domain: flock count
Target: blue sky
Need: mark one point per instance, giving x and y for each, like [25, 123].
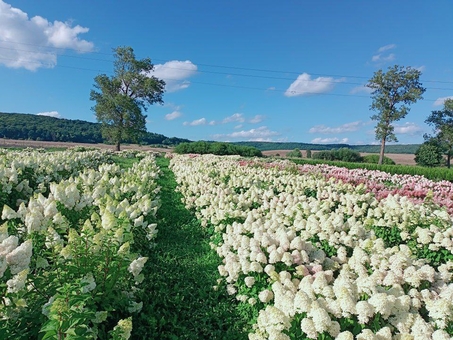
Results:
[235, 70]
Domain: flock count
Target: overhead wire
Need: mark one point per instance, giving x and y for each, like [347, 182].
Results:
[207, 65]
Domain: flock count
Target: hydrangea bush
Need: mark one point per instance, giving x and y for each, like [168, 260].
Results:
[70, 265]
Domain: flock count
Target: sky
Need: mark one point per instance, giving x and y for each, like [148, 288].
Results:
[287, 71]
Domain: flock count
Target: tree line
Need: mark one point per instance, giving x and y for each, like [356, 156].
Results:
[43, 128]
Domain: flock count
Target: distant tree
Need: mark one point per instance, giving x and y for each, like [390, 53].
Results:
[442, 122]
[308, 153]
[374, 159]
[392, 92]
[429, 154]
[294, 153]
[121, 98]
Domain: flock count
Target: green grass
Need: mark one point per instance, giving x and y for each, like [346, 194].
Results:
[179, 301]
[123, 162]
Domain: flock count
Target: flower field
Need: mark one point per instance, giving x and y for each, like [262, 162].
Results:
[299, 251]
[73, 227]
[319, 252]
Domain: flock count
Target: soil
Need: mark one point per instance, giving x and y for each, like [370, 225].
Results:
[15, 143]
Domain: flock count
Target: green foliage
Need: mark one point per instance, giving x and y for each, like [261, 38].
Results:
[264, 146]
[308, 153]
[442, 123]
[42, 128]
[343, 154]
[217, 148]
[429, 154]
[295, 153]
[374, 159]
[121, 98]
[392, 92]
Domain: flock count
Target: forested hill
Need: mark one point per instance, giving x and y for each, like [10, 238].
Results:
[400, 148]
[44, 128]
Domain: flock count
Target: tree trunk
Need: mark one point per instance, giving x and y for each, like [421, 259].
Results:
[448, 158]
[118, 146]
[381, 154]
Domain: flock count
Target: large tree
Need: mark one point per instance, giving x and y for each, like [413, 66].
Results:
[392, 92]
[121, 98]
[442, 122]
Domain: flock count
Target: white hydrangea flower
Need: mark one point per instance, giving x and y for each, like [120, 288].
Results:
[249, 281]
[17, 282]
[8, 213]
[135, 307]
[124, 327]
[19, 258]
[88, 282]
[8, 245]
[266, 295]
[137, 265]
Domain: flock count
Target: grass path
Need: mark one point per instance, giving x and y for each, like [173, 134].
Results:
[179, 301]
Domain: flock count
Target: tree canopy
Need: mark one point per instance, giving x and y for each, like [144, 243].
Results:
[121, 98]
[393, 91]
[442, 122]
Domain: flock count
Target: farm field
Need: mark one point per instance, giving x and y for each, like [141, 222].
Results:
[104, 245]
[398, 158]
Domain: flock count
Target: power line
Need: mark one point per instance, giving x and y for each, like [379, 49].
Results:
[224, 67]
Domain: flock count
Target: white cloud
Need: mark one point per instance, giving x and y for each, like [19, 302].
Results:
[25, 42]
[386, 48]
[175, 74]
[50, 114]
[304, 85]
[348, 127]
[383, 58]
[257, 119]
[334, 140]
[237, 117]
[440, 101]
[201, 121]
[259, 134]
[361, 88]
[408, 129]
[238, 126]
[175, 114]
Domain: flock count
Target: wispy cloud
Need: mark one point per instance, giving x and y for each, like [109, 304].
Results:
[49, 114]
[237, 117]
[408, 129]
[304, 85]
[173, 115]
[361, 88]
[36, 35]
[383, 56]
[440, 101]
[234, 118]
[201, 121]
[259, 134]
[386, 48]
[334, 140]
[348, 127]
[175, 73]
[257, 119]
